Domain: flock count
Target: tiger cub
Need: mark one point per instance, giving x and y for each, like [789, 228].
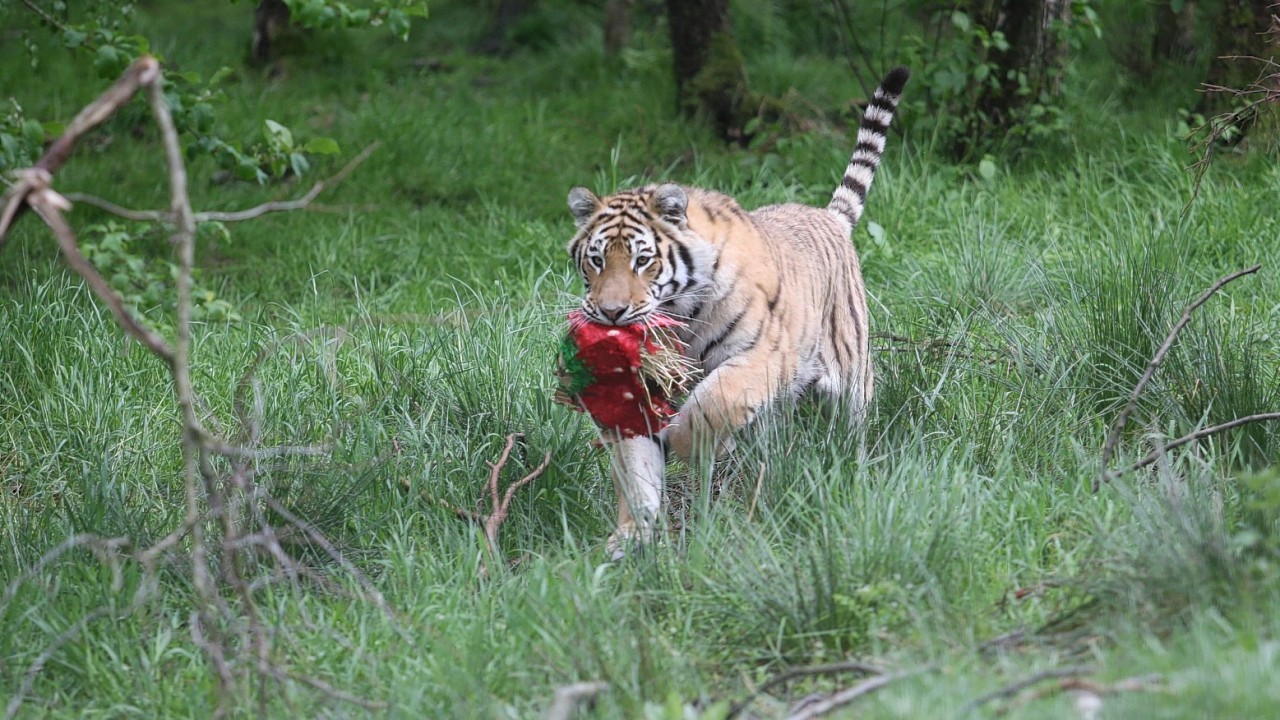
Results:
[772, 300]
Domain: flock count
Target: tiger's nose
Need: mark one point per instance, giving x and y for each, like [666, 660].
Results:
[612, 311]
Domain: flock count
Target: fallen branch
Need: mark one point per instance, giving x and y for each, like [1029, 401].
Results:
[1088, 692]
[225, 527]
[49, 205]
[1197, 435]
[1031, 680]
[500, 503]
[852, 666]
[1113, 438]
[841, 698]
[144, 71]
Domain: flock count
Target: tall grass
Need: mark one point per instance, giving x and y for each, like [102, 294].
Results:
[415, 335]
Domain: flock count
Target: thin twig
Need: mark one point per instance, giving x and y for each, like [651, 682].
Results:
[851, 666]
[143, 71]
[50, 210]
[1016, 687]
[1197, 435]
[290, 205]
[1113, 437]
[567, 698]
[225, 521]
[109, 547]
[120, 211]
[499, 514]
[301, 203]
[755, 495]
[844, 697]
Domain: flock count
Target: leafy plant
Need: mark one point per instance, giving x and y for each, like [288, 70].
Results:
[145, 283]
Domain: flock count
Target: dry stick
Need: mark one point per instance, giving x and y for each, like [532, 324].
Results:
[144, 70]
[1114, 437]
[1014, 688]
[852, 666]
[567, 698]
[97, 544]
[500, 505]
[1197, 435]
[846, 696]
[755, 495]
[502, 509]
[198, 445]
[50, 210]
[1138, 683]
[301, 203]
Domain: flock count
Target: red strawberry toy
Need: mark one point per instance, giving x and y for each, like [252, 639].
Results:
[625, 377]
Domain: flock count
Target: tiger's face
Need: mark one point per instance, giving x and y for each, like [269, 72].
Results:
[626, 251]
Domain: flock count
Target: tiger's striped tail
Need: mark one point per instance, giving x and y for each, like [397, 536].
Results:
[850, 197]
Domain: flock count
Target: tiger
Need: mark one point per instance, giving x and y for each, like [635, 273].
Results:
[771, 301]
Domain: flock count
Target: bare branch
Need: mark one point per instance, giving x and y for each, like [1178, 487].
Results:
[1014, 688]
[143, 71]
[302, 203]
[288, 205]
[49, 210]
[852, 666]
[1154, 455]
[124, 212]
[500, 513]
[1114, 436]
[108, 547]
[843, 697]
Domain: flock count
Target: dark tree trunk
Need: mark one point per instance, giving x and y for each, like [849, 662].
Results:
[1175, 36]
[1244, 30]
[270, 18]
[496, 40]
[1030, 68]
[711, 76]
[617, 25]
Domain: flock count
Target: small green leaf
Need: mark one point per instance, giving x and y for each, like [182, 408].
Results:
[876, 231]
[321, 146]
[987, 169]
[279, 136]
[33, 132]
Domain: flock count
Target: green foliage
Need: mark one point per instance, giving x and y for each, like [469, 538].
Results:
[965, 62]
[330, 14]
[21, 138]
[145, 284]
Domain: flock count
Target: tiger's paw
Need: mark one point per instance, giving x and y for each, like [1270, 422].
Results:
[687, 445]
[629, 540]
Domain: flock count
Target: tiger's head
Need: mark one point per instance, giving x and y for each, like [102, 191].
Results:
[631, 250]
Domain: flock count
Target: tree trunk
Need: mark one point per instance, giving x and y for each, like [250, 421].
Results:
[1244, 30]
[1030, 68]
[496, 40]
[270, 18]
[1175, 37]
[711, 76]
[617, 25]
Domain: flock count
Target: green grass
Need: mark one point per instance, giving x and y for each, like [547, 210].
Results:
[419, 330]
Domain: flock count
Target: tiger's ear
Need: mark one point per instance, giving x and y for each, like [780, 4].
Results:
[672, 203]
[583, 204]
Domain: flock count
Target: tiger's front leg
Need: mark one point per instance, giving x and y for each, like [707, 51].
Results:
[726, 400]
[638, 469]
